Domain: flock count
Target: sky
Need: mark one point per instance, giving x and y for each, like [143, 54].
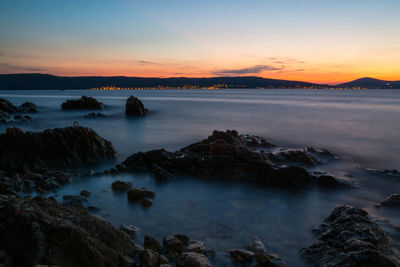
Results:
[323, 41]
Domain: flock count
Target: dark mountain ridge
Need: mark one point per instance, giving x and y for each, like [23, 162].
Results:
[36, 81]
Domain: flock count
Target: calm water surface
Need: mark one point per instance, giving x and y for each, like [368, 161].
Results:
[362, 126]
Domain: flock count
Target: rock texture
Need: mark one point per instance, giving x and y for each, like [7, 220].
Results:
[60, 147]
[40, 231]
[392, 201]
[7, 106]
[85, 102]
[230, 156]
[27, 107]
[349, 237]
[135, 107]
[94, 115]
[10, 113]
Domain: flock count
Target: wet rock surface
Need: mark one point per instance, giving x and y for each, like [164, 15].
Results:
[137, 194]
[230, 156]
[257, 252]
[85, 102]
[121, 186]
[42, 231]
[53, 148]
[135, 107]
[10, 113]
[350, 237]
[41, 180]
[27, 107]
[7, 106]
[392, 201]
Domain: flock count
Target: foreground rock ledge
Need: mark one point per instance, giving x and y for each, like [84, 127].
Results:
[42, 231]
[349, 237]
[230, 156]
[60, 147]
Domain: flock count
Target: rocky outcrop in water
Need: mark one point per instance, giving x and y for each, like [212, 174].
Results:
[27, 107]
[52, 148]
[256, 251]
[135, 107]
[230, 156]
[7, 109]
[350, 237]
[41, 180]
[85, 102]
[392, 201]
[40, 231]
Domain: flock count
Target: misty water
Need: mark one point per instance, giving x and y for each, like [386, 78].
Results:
[363, 127]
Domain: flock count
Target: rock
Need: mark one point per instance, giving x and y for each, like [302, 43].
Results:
[140, 193]
[183, 238]
[150, 258]
[163, 260]
[152, 243]
[242, 255]
[131, 230]
[349, 237]
[75, 202]
[53, 148]
[92, 208]
[145, 202]
[135, 107]
[7, 106]
[193, 259]
[20, 117]
[392, 201]
[5, 117]
[197, 246]
[85, 102]
[256, 246]
[331, 182]
[95, 115]
[226, 156]
[85, 193]
[172, 244]
[121, 186]
[41, 231]
[27, 107]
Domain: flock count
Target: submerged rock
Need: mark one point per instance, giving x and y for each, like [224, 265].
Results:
[145, 202]
[85, 193]
[85, 102]
[40, 231]
[135, 107]
[140, 193]
[349, 237]
[225, 156]
[95, 115]
[242, 255]
[52, 148]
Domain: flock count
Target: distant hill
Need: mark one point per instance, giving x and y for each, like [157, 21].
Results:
[371, 83]
[48, 82]
[51, 82]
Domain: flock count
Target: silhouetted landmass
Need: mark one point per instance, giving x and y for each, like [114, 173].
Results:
[371, 83]
[51, 82]
[46, 82]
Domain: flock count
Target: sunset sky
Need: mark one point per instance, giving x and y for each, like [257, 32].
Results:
[310, 40]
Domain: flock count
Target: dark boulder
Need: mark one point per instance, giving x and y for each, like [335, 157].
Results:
[121, 186]
[53, 148]
[85, 102]
[350, 237]
[152, 243]
[40, 231]
[135, 107]
[193, 259]
[7, 106]
[27, 107]
[392, 201]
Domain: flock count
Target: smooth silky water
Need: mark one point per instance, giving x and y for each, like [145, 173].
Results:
[363, 127]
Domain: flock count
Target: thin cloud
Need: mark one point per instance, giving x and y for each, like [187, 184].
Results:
[145, 62]
[11, 67]
[251, 70]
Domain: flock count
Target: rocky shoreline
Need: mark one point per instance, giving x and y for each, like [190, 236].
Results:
[41, 231]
